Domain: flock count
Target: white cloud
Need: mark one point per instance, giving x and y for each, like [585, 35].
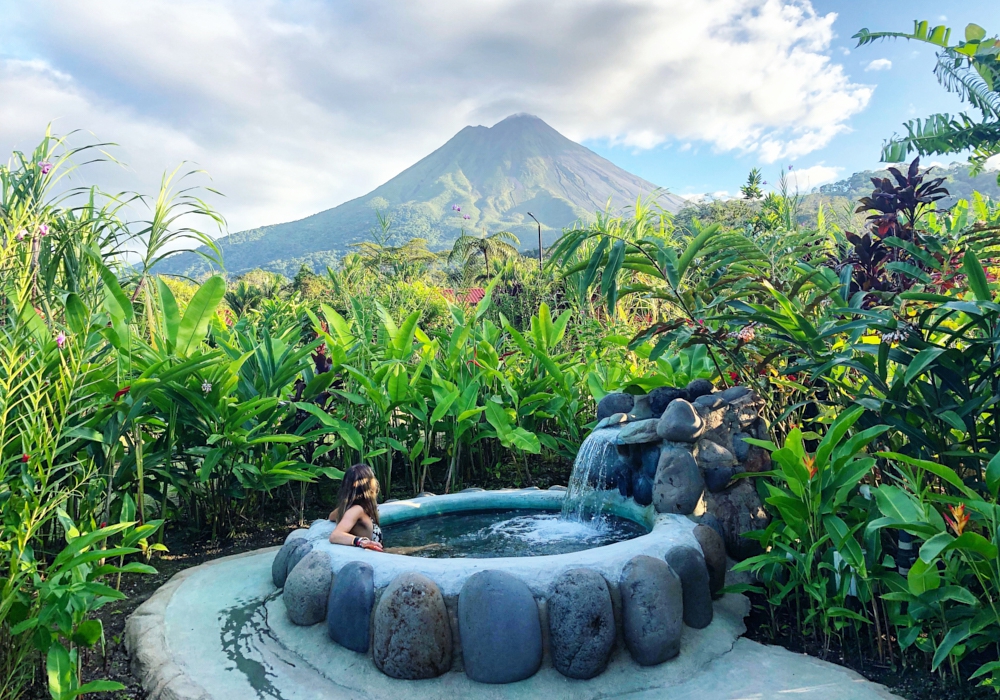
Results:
[805, 179]
[879, 64]
[294, 106]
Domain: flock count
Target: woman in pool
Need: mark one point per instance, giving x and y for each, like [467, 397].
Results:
[356, 513]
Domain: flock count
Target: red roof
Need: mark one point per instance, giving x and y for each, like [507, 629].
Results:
[470, 296]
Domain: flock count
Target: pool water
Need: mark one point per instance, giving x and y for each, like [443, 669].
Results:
[504, 533]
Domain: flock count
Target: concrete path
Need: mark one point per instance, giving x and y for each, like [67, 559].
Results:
[217, 631]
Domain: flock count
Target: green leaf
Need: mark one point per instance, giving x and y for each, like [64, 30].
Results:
[694, 247]
[199, 313]
[934, 546]
[441, 410]
[525, 440]
[897, 504]
[77, 313]
[923, 577]
[61, 672]
[121, 299]
[993, 475]
[942, 472]
[976, 276]
[954, 636]
[99, 687]
[87, 633]
[171, 314]
[973, 32]
[920, 362]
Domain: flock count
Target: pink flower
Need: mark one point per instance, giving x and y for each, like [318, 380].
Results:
[457, 208]
[21, 234]
[61, 339]
[45, 166]
[790, 167]
[466, 216]
[43, 229]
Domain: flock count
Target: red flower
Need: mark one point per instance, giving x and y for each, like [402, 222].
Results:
[791, 378]
[24, 458]
[121, 392]
[733, 376]
[960, 521]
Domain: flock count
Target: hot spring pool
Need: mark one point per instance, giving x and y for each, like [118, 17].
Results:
[489, 534]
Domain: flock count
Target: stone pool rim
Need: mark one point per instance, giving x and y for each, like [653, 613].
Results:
[666, 531]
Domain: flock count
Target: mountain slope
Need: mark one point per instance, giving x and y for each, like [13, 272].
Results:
[495, 174]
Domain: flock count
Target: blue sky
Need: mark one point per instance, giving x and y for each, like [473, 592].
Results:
[902, 92]
[295, 106]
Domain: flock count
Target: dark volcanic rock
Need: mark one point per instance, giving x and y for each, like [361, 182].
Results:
[717, 478]
[680, 422]
[615, 402]
[412, 637]
[689, 565]
[641, 410]
[652, 610]
[660, 398]
[500, 628]
[649, 460]
[678, 485]
[699, 387]
[712, 402]
[307, 589]
[741, 448]
[714, 550]
[581, 623]
[642, 489]
[349, 610]
[639, 432]
[739, 510]
[733, 393]
[757, 460]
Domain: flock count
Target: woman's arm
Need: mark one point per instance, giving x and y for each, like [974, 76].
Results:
[342, 533]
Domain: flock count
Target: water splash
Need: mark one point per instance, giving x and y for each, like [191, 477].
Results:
[587, 494]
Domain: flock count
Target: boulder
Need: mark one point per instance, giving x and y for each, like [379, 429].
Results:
[679, 485]
[652, 610]
[680, 422]
[307, 589]
[615, 420]
[660, 398]
[711, 454]
[500, 628]
[718, 478]
[689, 565]
[713, 549]
[280, 565]
[712, 402]
[699, 387]
[733, 393]
[642, 489]
[641, 409]
[709, 520]
[296, 534]
[741, 448]
[639, 432]
[412, 634]
[349, 610]
[649, 460]
[623, 482]
[615, 402]
[757, 460]
[557, 487]
[739, 510]
[581, 623]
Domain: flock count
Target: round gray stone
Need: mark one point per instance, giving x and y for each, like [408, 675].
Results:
[307, 589]
[412, 638]
[712, 454]
[615, 420]
[689, 565]
[639, 432]
[709, 520]
[740, 510]
[652, 610]
[741, 448]
[717, 478]
[699, 387]
[680, 422]
[558, 487]
[283, 562]
[660, 398]
[678, 485]
[500, 628]
[649, 460]
[733, 393]
[642, 489]
[296, 534]
[713, 549]
[615, 402]
[641, 410]
[712, 402]
[581, 623]
[349, 610]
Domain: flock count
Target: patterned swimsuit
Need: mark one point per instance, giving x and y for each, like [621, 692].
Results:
[376, 533]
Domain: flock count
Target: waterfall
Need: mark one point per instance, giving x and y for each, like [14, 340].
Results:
[592, 471]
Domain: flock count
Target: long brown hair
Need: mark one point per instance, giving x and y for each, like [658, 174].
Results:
[359, 488]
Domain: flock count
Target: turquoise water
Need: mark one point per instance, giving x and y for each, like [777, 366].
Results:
[504, 533]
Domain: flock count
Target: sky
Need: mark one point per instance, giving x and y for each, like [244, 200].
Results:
[294, 106]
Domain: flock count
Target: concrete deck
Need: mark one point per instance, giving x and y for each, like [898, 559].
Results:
[217, 631]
